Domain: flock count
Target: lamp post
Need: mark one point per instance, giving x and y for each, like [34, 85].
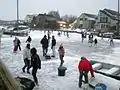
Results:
[118, 19]
[17, 14]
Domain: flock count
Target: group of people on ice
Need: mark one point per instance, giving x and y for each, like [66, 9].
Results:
[32, 59]
[90, 38]
[45, 45]
[95, 41]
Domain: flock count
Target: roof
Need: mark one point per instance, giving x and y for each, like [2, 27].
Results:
[90, 15]
[110, 13]
[48, 17]
[31, 16]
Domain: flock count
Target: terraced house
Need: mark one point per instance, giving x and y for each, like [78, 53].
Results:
[107, 20]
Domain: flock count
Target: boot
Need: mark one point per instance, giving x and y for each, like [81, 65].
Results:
[28, 72]
[23, 70]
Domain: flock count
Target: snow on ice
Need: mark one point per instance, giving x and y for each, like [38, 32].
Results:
[48, 75]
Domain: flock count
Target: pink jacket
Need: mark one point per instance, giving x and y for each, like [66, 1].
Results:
[61, 51]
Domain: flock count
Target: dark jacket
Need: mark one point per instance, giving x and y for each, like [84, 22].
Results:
[18, 42]
[53, 42]
[82, 34]
[85, 65]
[95, 41]
[29, 39]
[35, 61]
[44, 43]
[91, 36]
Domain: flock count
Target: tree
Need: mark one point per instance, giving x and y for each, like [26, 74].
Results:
[69, 18]
[55, 14]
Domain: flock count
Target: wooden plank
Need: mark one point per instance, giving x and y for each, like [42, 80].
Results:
[8, 81]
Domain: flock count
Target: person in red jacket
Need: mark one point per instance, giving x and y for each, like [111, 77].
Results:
[84, 67]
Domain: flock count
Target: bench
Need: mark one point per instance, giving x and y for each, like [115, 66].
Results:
[114, 70]
[97, 66]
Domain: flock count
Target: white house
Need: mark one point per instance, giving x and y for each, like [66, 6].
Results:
[29, 18]
[107, 20]
[85, 21]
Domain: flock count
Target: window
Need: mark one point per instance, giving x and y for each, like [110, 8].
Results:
[102, 25]
[81, 19]
[103, 19]
[85, 19]
[81, 25]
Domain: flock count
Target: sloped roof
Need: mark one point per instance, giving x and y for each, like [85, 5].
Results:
[90, 15]
[48, 17]
[110, 13]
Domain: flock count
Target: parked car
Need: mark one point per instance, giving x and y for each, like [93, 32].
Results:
[20, 31]
[107, 35]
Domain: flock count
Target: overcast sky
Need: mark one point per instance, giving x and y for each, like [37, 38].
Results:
[75, 7]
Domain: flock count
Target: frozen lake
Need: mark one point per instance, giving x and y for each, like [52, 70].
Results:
[48, 76]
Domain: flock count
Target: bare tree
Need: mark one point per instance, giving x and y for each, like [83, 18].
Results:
[55, 14]
[69, 18]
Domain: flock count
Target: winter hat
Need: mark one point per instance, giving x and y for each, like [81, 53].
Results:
[53, 37]
[33, 51]
[82, 58]
[45, 36]
[28, 45]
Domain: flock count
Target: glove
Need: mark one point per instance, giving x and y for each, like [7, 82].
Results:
[92, 78]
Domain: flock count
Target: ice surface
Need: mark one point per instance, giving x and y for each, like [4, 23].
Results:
[48, 75]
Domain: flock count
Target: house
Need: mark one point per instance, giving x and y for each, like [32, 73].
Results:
[85, 21]
[107, 20]
[62, 24]
[29, 18]
[45, 21]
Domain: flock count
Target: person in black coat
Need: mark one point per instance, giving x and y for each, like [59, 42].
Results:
[35, 63]
[28, 39]
[18, 44]
[53, 45]
[44, 43]
[95, 41]
[82, 35]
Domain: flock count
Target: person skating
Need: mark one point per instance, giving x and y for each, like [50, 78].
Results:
[27, 58]
[90, 36]
[84, 67]
[35, 63]
[95, 42]
[49, 37]
[111, 40]
[28, 39]
[18, 43]
[44, 43]
[82, 36]
[15, 44]
[61, 54]
[53, 46]
[67, 34]
[90, 41]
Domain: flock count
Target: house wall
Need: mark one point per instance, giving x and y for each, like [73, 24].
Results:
[84, 22]
[105, 23]
[28, 19]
